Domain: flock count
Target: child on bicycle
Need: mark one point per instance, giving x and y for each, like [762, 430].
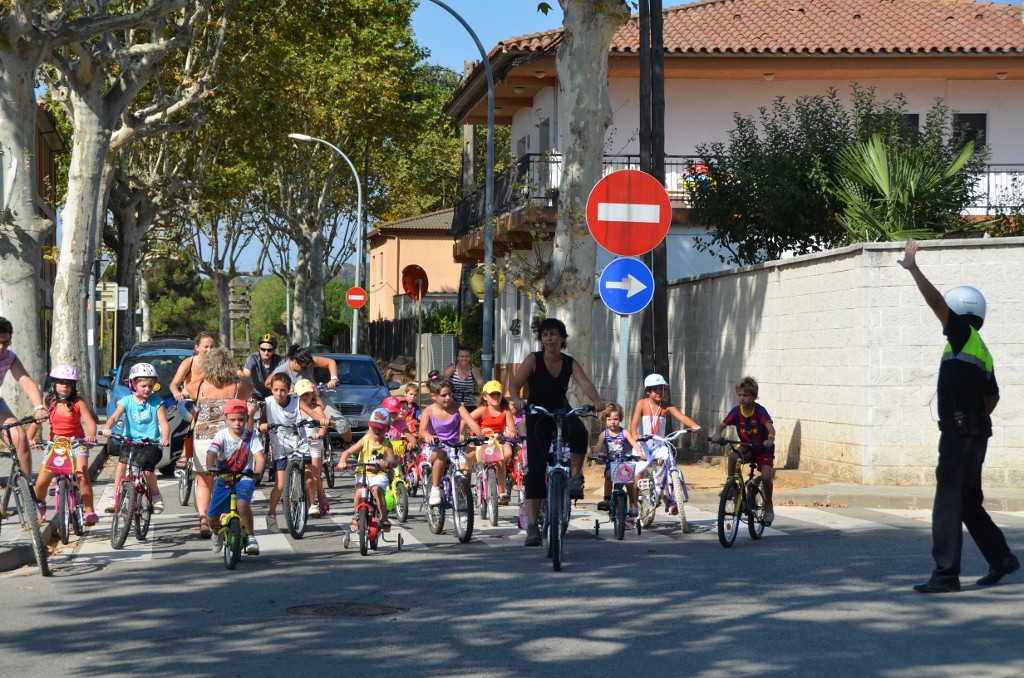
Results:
[755, 429]
[650, 418]
[412, 396]
[238, 449]
[612, 440]
[443, 420]
[307, 395]
[374, 448]
[144, 418]
[283, 408]
[494, 415]
[11, 364]
[67, 413]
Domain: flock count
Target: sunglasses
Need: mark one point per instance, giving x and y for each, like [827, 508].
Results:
[267, 350]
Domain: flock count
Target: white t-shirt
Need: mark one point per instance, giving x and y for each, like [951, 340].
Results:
[283, 441]
[225, 445]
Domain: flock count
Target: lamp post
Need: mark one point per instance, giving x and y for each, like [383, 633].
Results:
[359, 226]
[487, 357]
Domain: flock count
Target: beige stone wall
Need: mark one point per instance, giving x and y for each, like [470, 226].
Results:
[845, 351]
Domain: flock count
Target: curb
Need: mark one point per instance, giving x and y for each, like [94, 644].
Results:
[20, 552]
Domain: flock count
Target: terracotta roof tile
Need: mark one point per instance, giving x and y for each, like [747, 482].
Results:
[820, 27]
[432, 221]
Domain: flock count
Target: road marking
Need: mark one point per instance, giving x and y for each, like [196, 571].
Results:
[631, 212]
[833, 521]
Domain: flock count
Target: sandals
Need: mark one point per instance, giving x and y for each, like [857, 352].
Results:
[503, 499]
[91, 518]
[204, 528]
[385, 525]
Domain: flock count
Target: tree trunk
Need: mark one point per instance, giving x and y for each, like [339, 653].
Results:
[585, 115]
[308, 316]
[222, 286]
[22, 228]
[144, 306]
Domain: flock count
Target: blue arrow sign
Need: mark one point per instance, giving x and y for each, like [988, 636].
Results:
[626, 286]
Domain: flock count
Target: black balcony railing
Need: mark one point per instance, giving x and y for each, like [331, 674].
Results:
[535, 178]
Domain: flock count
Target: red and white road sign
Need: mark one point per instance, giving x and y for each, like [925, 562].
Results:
[356, 297]
[629, 212]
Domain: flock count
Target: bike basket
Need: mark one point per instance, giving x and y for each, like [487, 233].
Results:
[489, 454]
[623, 471]
[59, 458]
[399, 447]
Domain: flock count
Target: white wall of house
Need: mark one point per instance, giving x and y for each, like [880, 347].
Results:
[846, 353]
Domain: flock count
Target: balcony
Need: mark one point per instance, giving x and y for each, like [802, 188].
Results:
[533, 182]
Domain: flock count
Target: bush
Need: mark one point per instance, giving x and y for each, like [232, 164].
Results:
[441, 319]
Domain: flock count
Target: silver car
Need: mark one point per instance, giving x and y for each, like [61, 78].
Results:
[361, 388]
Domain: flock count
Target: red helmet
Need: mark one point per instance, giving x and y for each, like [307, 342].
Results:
[391, 404]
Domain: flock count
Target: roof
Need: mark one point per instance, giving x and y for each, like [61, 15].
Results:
[433, 221]
[819, 27]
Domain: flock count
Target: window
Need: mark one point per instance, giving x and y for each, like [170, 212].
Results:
[975, 126]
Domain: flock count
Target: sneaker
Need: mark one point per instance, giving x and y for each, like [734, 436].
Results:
[435, 497]
[603, 505]
[253, 547]
[272, 523]
[533, 537]
[314, 512]
[633, 513]
[91, 518]
[217, 542]
[673, 509]
[575, 487]
[158, 505]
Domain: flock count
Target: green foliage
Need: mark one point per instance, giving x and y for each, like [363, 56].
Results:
[267, 308]
[334, 299]
[332, 326]
[472, 329]
[181, 301]
[771, 186]
[441, 319]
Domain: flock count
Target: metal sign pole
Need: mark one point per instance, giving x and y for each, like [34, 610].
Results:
[623, 359]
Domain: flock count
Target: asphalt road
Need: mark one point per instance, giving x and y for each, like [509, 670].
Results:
[826, 591]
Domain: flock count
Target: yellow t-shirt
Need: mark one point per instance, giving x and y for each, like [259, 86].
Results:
[372, 453]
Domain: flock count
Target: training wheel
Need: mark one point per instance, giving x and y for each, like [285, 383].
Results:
[400, 542]
[346, 540]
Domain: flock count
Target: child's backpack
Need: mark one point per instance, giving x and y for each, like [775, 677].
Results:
[237, 462]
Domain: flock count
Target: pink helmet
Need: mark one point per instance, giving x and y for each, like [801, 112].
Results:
[64, 372]
[391, 404]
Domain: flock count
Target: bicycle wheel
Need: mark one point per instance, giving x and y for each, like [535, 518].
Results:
[63, 510]
[123, 515]
[233, 543]
[647, 498]
[680, 497]
[481, 498]
[492, 496]
[435, 519]
[729, 514]
[401, 502]
[364, 526]
[619, 515]
[77, 512]
[330, 473]
[143, 513]
[462, 499]
[185, 482]
[296, 505]
[756, 501]
[25, 501]
[556, 491]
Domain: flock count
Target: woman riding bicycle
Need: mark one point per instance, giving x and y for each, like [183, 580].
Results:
[547, 373]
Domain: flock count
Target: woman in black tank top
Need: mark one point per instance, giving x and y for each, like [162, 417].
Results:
[547, 373]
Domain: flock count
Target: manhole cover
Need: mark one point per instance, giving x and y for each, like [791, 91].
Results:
[343, 610]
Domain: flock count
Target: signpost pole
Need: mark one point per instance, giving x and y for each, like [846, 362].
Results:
[623, 359]
[419, 334]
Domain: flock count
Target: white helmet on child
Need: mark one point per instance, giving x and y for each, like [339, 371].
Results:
[966, 300]
[140, 370]
[654, 380]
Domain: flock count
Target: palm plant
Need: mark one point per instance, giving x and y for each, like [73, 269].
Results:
[902, 191]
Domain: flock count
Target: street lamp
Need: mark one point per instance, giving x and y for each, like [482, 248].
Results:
[359, 226]
[487, 357]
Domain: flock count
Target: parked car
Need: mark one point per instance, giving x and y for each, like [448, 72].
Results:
[164, 353]
[361, 388]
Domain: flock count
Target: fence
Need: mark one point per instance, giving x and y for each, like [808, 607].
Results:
[389, 339]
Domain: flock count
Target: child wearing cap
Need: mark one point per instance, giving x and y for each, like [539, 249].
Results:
[494, 415]
[306, 393]
[650, 418]
[234, 438]
[374, 449]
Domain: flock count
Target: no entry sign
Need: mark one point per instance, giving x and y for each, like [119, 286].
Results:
[356, 297]
[629, 212]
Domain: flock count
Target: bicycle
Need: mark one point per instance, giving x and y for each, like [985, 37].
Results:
[368, 517]
[20, 488]
[623, 474]
[186, 476]
[456, 494]
[296, 501]
[134, 500]
[741, 501]
[556, 510]
[489, 456]
[67, 498]
[234, 535]
[666, 482]
[398, 484]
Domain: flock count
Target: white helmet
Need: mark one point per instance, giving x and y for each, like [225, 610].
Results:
[653, 380]
[141, 370]
[966, 300]
[67, 372]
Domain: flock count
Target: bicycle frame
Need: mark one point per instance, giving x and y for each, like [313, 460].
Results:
[740, 501]
[490, 457]
[231, 529]
[453, 478]
[650, 491]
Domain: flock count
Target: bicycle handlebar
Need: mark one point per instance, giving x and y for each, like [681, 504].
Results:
[670, 438]
[580, 410]
[22, 422]
[293, 427]
[136, 443]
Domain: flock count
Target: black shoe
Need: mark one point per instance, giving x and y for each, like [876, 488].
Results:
[533, 537]
[994, 575]
[576, 487]
[938, 586]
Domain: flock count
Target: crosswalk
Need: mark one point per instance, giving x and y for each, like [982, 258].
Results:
[171, 533]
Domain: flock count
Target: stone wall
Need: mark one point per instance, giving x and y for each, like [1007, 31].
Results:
[845, 351]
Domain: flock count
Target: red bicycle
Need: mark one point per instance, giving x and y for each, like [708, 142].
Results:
[367, 520]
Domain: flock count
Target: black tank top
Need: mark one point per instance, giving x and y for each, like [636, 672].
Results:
[546, 390]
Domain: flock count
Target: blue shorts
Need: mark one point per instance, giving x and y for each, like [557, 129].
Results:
[220, 502]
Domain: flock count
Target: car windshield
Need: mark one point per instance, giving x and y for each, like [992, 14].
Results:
[166, 366]
[352, 373]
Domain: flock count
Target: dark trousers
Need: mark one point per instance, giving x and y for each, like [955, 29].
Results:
[958, 499]
[540, 432]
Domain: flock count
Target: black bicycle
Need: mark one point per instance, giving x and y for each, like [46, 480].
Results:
[296, 501]
[19, 487]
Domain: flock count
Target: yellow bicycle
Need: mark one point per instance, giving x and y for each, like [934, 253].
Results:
[740, 501]
[234, 535]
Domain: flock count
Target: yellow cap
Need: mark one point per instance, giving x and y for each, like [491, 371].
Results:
[493, 386]
[303, 386]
